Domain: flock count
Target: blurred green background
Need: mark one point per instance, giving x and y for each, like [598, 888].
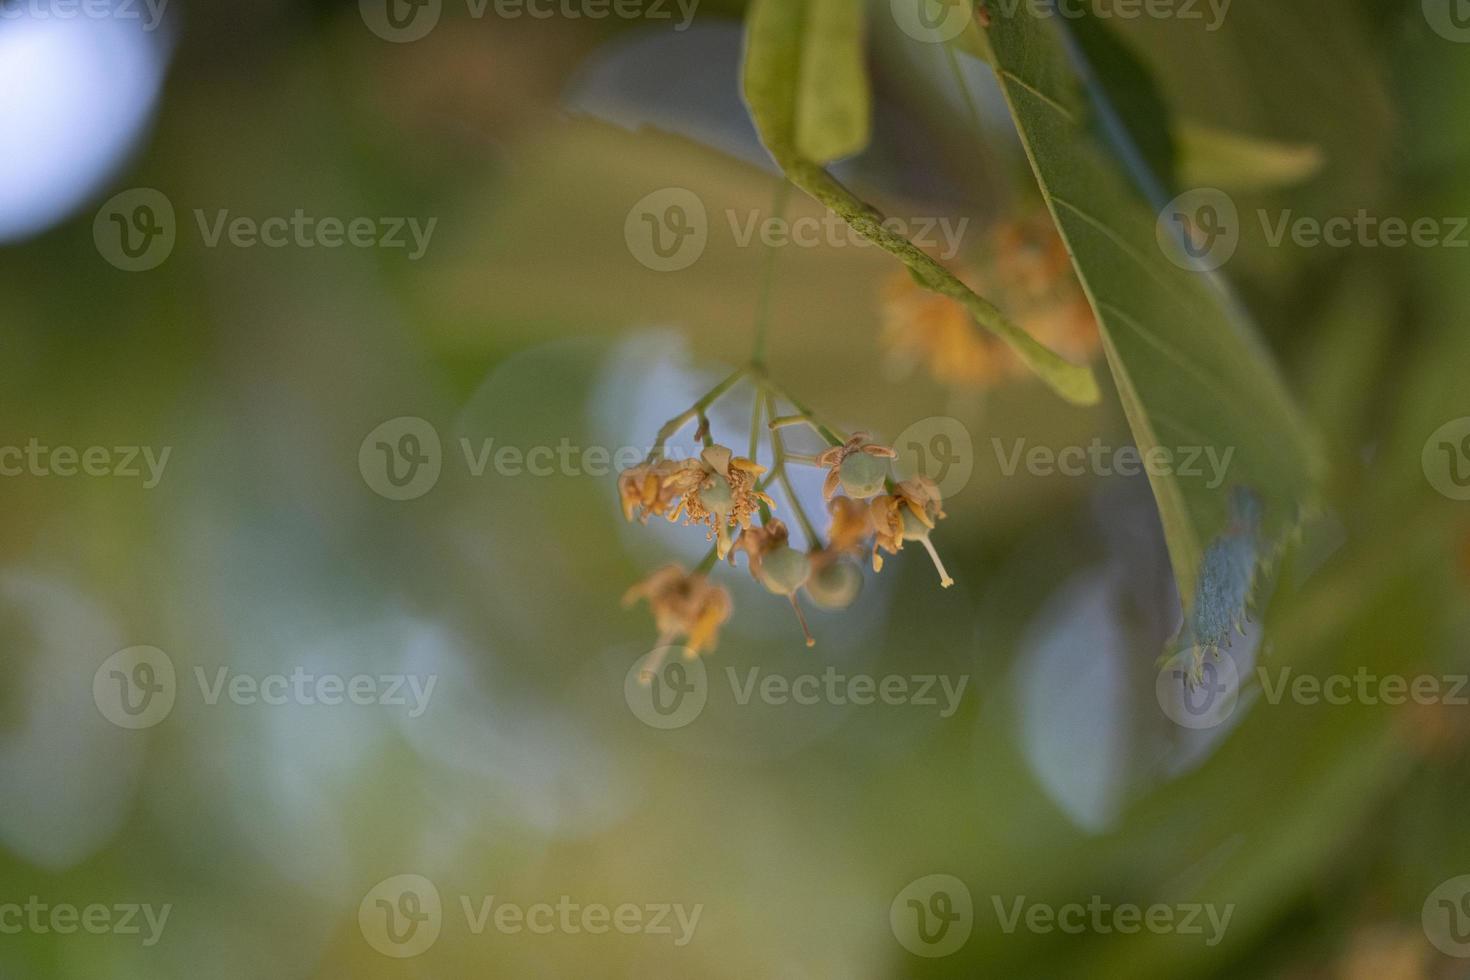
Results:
[265, 549]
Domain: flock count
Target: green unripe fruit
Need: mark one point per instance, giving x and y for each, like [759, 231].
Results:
[913, 528]
[784, 570]
[836, 586]
[862, 475]
[717, 496]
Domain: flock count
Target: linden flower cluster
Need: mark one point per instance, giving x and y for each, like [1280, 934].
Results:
[868, 513]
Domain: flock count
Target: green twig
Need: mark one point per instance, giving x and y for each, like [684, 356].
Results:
[673, 425]
[768, 269]
[778, 467]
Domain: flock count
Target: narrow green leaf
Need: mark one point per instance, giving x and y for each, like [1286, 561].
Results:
[1188, 366]
[1210, 157]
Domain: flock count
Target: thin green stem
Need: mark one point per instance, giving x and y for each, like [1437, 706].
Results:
[768, 276]
[673, 425]
[831, 433]
[708, 561]
[757, 402]
[778, 467]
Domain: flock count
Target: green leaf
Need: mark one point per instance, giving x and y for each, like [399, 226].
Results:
[1188, 367]
[798, 54]
[1211, 157]
[833, 102]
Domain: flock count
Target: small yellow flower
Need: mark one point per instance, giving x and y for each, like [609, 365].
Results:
[850, 528]
[726, 496]
[908, 514]
[886, 515]
[857, 466]
[685, 606]
[653, 488]
[757, 542]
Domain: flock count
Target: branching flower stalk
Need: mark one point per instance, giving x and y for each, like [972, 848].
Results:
[726, 493]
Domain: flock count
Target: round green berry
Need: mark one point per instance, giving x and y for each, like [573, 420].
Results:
[836, 586]
[784, 570]
[862, 475]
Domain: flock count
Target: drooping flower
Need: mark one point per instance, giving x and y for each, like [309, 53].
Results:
[726, 497]
[685, 606]
[757, 542]
[858, 466]
[907, 514]
[850, 528]
[655, 488]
